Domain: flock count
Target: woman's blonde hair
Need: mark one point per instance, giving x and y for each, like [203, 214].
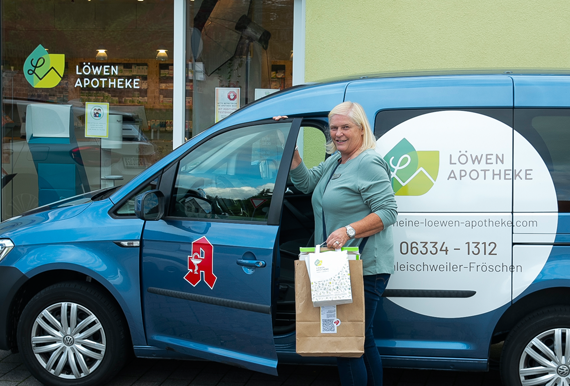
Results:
[357, 115]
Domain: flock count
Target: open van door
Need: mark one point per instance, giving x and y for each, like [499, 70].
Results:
[208, 264]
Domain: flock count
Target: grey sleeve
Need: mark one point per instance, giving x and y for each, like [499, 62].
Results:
[375, 187]
[306, 179]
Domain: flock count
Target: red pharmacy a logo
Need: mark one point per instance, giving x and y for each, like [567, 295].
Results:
[201, 261]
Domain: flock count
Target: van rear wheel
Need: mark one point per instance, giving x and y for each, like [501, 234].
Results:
[71, 334]
[537, 351]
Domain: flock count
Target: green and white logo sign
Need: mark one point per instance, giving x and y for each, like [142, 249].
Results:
[468, 187]
[44, 70]
[413, 172]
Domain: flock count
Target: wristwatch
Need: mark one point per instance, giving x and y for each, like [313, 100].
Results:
[350, 231]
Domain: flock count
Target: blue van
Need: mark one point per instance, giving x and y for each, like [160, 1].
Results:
[194, 257]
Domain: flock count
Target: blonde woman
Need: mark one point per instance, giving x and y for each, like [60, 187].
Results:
[354, 205]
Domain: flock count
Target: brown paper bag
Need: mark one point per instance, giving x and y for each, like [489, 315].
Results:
[348, 341]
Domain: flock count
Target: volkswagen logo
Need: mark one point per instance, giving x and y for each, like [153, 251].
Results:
[563, 370]
[69, 341]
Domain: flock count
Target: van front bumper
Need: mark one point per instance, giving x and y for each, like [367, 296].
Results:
[11, 280]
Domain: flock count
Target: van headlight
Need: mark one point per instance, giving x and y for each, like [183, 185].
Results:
[5, 247]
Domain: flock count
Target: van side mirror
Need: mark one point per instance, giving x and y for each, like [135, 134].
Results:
[149, 206]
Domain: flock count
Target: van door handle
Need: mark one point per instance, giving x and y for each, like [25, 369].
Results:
[251, 263]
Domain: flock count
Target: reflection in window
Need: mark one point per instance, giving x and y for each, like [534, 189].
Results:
[232, 175]
[246, 64]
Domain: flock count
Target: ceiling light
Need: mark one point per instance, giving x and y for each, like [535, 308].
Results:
[101, 54]
[162, 55]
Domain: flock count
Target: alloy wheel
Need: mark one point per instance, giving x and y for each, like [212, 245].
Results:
[68, 340]
[546, 359]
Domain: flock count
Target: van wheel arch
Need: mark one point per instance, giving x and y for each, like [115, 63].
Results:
[548, 297]
[39, 282]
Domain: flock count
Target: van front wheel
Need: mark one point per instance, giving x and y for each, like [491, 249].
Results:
[72, 334]
[537, 351]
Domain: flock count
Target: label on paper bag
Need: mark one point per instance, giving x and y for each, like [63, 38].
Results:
[329, 322]
[330, 278]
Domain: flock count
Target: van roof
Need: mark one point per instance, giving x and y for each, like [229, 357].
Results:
[448, 72]
[410, 74]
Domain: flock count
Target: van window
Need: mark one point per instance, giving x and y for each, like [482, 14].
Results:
[232, 175]
[314, 145]
[548, 131]
[388, 119]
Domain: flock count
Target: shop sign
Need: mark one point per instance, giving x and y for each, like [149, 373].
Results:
[93, 81]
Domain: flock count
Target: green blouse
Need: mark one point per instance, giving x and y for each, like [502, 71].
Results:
[358, 187]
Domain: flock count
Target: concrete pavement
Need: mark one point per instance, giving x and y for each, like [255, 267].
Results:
[156, 372]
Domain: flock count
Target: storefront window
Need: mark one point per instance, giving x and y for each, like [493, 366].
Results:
[237, 52]
[88, 86]
[86, 96]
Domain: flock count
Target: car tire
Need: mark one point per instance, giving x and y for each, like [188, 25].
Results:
[537, 350]
[86, 348]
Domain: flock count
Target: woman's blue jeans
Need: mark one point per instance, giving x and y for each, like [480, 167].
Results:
[366, 370]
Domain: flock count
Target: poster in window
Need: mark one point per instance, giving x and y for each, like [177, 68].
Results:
[227, 101]
[96, 120]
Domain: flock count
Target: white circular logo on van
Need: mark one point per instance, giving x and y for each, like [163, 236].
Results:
[468, 188]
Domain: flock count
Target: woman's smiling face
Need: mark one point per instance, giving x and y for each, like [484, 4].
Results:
[347, 136]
